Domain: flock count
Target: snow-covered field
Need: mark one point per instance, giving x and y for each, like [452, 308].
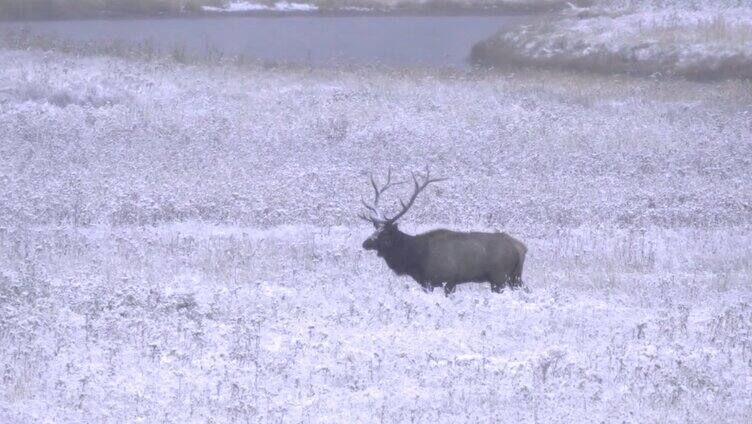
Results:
[179, 244]
[702, 43]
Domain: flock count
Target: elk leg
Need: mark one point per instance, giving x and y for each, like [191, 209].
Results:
[427, 287]
[515, 283]
[498, 282]
[449, 288]
[515, 280]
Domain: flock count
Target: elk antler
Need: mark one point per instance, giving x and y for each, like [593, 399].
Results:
[419, 186]
[377, 217]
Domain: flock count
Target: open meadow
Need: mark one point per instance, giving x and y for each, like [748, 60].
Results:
[179, 244]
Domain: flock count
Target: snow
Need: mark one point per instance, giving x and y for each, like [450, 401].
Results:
[284, 6]
[244, 6]
[389, 5]
[706, 43]
[178, 243]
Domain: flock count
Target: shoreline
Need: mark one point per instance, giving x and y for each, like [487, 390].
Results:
[520, 10]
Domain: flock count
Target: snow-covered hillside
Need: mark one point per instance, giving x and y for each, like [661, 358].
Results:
[697, 42]
[179, 244]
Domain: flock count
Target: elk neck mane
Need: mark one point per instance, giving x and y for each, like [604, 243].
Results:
[406, 255]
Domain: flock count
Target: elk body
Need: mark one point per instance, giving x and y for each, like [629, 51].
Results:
[443, 257]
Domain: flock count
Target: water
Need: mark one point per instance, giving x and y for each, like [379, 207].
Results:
[400, 41]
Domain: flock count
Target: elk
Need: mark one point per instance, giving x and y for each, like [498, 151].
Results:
[442, 257]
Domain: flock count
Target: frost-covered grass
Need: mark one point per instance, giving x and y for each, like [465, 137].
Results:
[665, 153]
[197, 323]
[179, 244]
[703, 44]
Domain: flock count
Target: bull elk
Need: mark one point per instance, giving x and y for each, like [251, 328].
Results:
[442, 257]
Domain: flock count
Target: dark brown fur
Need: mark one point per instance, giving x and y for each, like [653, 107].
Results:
[443, 257]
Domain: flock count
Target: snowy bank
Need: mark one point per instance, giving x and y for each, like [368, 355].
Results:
[691, 43]
[245, 6]
[392, 6]
[69, 9]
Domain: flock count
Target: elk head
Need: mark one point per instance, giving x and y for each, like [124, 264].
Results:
[386, 228]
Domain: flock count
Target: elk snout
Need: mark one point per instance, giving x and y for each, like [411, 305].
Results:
[369, 244]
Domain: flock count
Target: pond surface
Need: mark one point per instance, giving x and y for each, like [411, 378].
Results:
[441, 41]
